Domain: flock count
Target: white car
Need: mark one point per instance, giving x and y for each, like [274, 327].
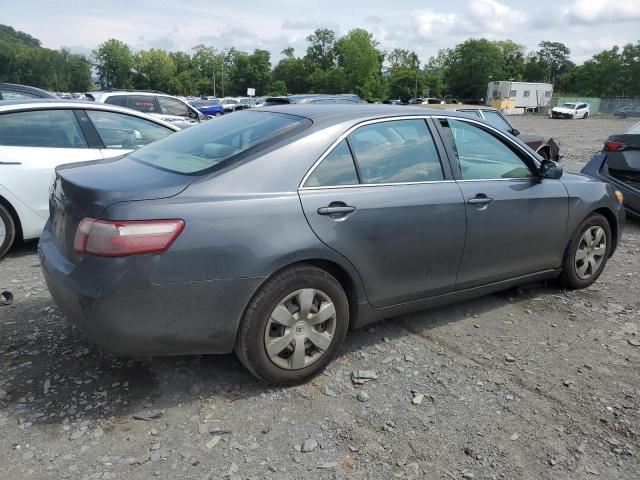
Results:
[571, 110]
[160, 105]
[38, 135]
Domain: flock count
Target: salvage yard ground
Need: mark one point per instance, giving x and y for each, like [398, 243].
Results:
[531, 383]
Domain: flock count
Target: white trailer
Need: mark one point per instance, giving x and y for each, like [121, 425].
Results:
[526, 95]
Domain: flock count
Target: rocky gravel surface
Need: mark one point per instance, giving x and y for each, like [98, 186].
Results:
[531, 383]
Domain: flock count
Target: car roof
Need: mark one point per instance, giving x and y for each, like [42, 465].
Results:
[47, 103]
[457, 106]
[337, 113]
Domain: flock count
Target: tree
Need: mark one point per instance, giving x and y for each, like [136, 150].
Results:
[470, 66]
[406, 80]
[154, 69]
[114, 63]
[357, 55]
[293, 72]
[514, 59]
[321, 52]
[556, 56]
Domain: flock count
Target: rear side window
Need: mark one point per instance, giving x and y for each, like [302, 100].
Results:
[497, 120]
[396, 151]
[142, 103]
[121, 131]
[210, 144]
[171, 106]
[120, 100]
[337, 168]
[13, 95]
[41, 128]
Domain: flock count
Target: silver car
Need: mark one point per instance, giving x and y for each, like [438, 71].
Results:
[273, 231]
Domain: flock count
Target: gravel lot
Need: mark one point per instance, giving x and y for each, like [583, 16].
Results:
[531, 383]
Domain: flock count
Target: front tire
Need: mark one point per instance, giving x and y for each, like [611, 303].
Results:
[586, 115]
[587, 252]
[294, 326]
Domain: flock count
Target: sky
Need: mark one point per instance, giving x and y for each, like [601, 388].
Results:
[585, 26]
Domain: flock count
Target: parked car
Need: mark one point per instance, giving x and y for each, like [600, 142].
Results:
[211, 108]
[273, 231]
[231, 104]
[13, 91]
[165, 107]
[628, 111]
[619, 164]
[433, 101]
[38, 135]
[315, 99]
[547, 147]
[571, 110]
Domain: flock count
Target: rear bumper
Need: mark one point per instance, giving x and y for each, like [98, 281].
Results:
[114, 302]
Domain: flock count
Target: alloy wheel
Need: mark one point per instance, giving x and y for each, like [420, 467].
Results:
[591, 251]
[300, 329]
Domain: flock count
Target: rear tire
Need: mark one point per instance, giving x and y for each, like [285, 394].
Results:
[544, 154]
[276, 314]
[7, 231]
[587, 252]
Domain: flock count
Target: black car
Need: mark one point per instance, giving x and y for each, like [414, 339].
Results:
[13, 91]
[619, 164]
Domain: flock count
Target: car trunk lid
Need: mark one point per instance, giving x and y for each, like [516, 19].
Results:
[85, 190]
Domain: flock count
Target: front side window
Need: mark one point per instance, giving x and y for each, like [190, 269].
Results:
[141, 103]
[481, 156]
[495, 119]
[126, 132]
[201, 148]
[41, 128]
[337, 168]
[396, 151]
[171, 106]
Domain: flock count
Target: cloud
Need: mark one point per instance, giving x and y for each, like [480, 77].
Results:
[431, 25]
[491, 16]
[373, 19]
[298, 25]
[602, 11]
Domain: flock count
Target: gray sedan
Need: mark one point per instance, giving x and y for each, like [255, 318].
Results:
[271, 232]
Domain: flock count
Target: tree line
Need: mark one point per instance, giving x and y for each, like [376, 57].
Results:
[352, 63]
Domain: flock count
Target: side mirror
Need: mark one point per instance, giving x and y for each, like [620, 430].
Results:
[515, 132]
[550, 169]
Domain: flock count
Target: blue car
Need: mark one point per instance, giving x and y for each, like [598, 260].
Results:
[212, 108]
[625, 112]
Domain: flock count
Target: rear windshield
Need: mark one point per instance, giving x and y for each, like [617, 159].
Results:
[215, 141]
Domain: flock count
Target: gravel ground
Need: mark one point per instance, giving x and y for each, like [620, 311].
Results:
[531, 383]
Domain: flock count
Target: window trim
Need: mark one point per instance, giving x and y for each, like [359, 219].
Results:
[440, 148]
[491, 130]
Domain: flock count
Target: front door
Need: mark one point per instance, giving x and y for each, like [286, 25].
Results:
[391, 209]
[516, 221]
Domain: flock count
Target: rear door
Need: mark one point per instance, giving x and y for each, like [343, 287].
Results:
[516, 221]
[120, 133]
[32, 144]
[383, 198]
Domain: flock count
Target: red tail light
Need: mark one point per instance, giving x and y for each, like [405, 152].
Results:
[610, 146]
[122, 238]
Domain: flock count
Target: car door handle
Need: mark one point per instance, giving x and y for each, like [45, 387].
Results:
[480, 199]
[336, 210]
[10, 163]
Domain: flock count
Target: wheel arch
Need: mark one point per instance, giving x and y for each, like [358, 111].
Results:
[14, 215]
[613, 223]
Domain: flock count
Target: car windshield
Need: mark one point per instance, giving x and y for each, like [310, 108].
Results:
[635, 129]
[200, 148]
[569, 105]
